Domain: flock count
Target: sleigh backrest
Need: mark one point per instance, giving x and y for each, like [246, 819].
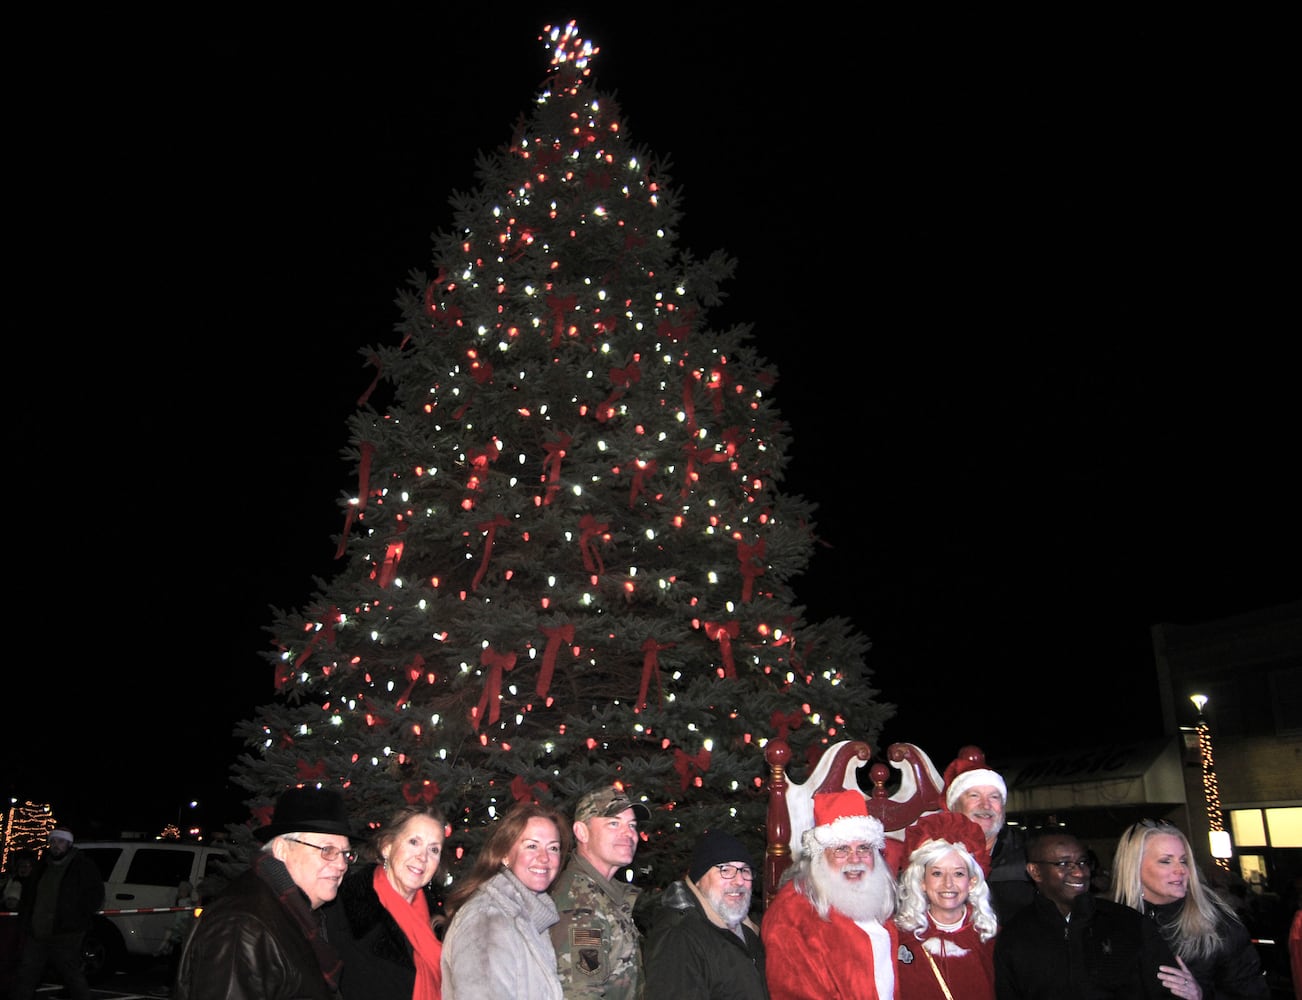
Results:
[791, 804]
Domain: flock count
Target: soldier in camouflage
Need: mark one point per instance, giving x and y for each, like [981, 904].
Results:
[598, 953]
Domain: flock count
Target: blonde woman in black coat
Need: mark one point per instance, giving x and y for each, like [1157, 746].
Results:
[1153, 872]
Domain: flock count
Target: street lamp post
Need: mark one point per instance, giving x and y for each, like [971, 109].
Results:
[1217, 835]
[180, 829]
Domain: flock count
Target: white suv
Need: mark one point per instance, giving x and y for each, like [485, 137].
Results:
[142, 875]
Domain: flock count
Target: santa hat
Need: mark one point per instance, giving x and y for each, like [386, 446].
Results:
[842, 818]
[951, 828]
[967, 770]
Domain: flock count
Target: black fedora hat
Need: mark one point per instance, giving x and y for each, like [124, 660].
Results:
[308, 810]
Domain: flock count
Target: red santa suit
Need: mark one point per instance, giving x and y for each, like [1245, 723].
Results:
[966, 962]
[813, 959]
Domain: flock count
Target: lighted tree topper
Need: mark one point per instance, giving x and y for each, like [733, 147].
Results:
[568, 560]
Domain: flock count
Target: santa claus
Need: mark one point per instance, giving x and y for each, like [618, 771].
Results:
[828, 934]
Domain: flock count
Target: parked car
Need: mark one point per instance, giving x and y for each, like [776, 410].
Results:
[144, 875]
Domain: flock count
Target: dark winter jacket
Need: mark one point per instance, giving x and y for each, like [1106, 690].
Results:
[688, 957]
[1103, 952]
[1011, 888]
[1233, 972]
[247, 946]
[81, 893]
[378, 958]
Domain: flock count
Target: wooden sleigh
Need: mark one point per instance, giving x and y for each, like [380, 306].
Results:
[791, 804]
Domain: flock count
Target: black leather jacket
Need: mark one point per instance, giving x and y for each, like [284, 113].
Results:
[247, 946]
[1233, 972]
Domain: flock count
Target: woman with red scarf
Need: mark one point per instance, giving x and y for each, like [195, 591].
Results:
[946, 923]
[381, 923]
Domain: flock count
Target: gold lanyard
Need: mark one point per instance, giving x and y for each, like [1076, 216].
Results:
[939, 978]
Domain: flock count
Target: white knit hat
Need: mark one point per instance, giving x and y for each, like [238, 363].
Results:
[61, 834]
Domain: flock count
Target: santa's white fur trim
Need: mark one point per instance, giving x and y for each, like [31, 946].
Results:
[845, 830]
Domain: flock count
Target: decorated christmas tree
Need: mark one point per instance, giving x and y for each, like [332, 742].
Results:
[569, 559]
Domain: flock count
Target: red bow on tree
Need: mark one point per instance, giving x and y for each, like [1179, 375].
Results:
[311, 772]
[323, 630]
[389, 568]
[552, 464]
[560, 305]
[556, 634]
[723, 633]
[496, 663]
[688, 766]
[523, 792]
[641, 469]
[363, 487]
[413, 672]
[650, 666]
[589, 528]
[491, 527]
[676, 332]
[426, 791]
[785, 723]
[751, 558]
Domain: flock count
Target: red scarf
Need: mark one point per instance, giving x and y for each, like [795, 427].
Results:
[413, 920]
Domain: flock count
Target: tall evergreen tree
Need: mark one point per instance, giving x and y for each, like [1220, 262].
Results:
[568, 560]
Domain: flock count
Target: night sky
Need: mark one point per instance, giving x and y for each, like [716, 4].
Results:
[1022, 283]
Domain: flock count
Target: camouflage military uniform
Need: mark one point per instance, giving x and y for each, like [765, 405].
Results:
[597, 949]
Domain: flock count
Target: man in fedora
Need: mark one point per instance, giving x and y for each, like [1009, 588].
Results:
[262, 937]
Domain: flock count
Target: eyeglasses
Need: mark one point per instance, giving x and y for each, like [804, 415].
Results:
[1068, 864]
[328, 851]
[859, 851]
[732, 871]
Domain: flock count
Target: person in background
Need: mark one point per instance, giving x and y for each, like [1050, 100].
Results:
[1295, 951]
[1153, 872]
[55, 910]
[702, 944]
[828, 934]
[263, 936]
[24, 865]
[980, 794]
[499, 913]
[381, 924]
[1071, 945]
[947, 926]
[182, 924]
[598, 952]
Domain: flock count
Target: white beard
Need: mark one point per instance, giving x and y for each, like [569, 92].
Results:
[868, 898]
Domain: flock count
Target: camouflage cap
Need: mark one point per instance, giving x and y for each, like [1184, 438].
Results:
[608, 802]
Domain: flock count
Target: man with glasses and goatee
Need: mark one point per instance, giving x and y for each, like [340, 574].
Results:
[263, 936]
[702, 944]
[1071, 945]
